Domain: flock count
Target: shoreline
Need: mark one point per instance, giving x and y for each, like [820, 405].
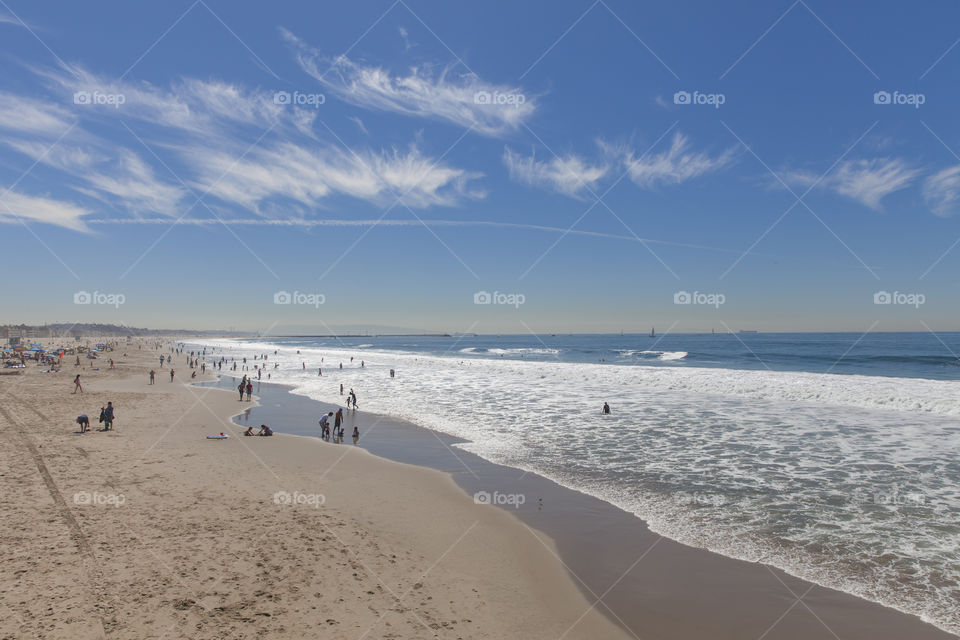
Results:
[728, 593]
[152, 531]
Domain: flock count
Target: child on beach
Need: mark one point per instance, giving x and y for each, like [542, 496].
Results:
[325, 425]
[76, 384]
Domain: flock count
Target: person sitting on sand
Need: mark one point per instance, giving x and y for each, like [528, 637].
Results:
[84, 422]
[249, 431]
[265, 431]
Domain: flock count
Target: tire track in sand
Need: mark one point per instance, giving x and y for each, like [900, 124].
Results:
[76, 533]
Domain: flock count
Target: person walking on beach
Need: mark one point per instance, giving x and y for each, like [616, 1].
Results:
[76, 384]
[161, 361]
[153, 376]
[325, 425]
[249, 390]
[108, 417]
[354, 397]
[337, 422]
[171, 375]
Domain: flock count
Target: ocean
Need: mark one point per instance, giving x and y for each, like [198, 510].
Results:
[832, 456]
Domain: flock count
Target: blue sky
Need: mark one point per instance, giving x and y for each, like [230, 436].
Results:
[781, 162]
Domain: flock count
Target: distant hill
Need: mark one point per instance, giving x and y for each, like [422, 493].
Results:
[94, 329]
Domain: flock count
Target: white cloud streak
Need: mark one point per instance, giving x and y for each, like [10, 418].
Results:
[569, 175]
[866, 181]
[462, 99]
[941, 191]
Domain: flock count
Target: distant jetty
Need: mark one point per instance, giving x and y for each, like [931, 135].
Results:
[364, 335]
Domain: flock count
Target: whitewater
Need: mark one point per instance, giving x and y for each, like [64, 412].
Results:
[849, 481]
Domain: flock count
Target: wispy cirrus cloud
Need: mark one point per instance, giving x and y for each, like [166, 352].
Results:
[867, 181]
[31, 116]
[308, 175]
[941, 191]
[460, 98]
[20, 207]
[570, 175]
[676, 165]
[143, 147]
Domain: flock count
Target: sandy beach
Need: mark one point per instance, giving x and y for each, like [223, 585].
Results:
[153, 531]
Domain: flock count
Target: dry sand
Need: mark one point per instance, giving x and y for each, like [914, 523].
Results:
[153, 531]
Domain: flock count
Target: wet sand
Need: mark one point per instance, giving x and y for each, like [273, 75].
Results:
[648, 584]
